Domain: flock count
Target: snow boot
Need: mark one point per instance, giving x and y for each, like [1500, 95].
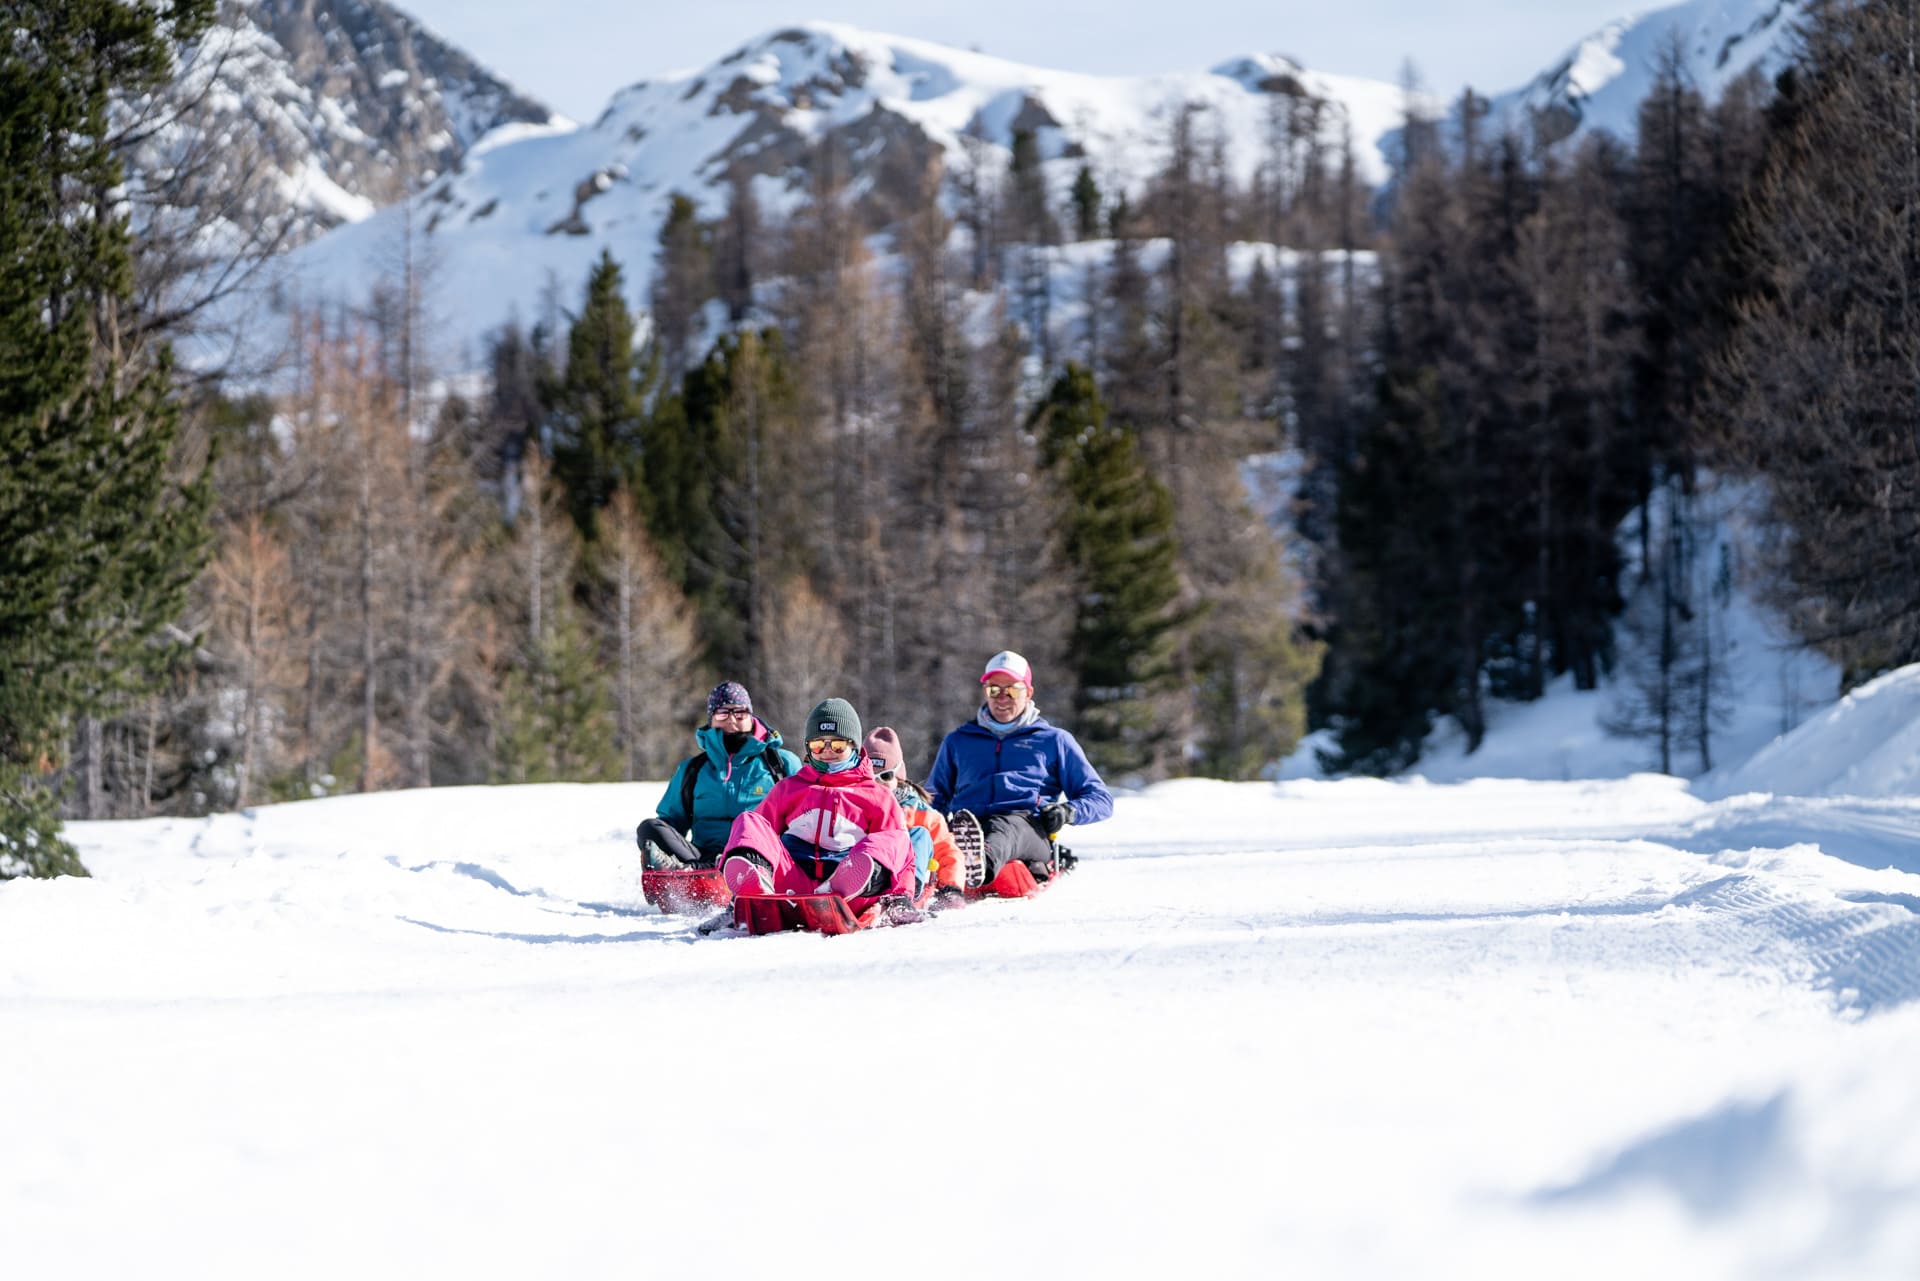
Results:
[747, 873]
[971, 840]
[655, 859]
[858, 876]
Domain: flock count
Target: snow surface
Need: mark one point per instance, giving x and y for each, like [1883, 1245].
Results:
[1493, 1029]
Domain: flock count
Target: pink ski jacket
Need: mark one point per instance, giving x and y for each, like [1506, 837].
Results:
[832, 812]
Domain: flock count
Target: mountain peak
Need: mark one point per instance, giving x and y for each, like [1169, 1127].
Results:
[339, 107]
[896, 113]
[1601, 81]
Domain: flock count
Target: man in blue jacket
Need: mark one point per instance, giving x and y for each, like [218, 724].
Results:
[1021, 777]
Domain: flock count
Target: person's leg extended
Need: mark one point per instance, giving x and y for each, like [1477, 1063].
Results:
[663, 839]
[1011, 837]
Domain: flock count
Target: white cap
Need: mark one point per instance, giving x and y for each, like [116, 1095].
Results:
[1008, 663]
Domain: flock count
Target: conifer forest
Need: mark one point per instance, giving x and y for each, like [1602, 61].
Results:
[1320, 456]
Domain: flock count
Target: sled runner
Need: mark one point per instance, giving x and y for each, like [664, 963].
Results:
[685, 889]
[817, 913]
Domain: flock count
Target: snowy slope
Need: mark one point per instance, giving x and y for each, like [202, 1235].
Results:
[521, 213]
[1602, 80]
[1868, 744]
[1360, 1029]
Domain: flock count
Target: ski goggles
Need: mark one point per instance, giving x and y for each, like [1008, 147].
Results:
[819, 745]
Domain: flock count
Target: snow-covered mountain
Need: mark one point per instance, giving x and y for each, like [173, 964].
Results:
[518, 218]
[518, 214]
[1601, 81]
[318, 112]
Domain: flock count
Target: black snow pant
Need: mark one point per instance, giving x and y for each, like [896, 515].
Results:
[1017, 836]
[657, 834]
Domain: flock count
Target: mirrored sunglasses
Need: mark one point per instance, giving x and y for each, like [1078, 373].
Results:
[997, 691]
[819, 745]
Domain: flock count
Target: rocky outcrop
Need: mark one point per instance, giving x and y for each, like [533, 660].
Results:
[293, 116]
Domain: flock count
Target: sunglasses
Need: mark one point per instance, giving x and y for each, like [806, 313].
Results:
[887, 775]
[732, 711]
[819, 745]
[997, 691]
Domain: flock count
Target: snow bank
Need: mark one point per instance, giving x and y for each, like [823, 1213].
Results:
[1867, 745]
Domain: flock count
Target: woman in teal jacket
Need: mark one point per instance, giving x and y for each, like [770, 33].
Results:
[739, 761]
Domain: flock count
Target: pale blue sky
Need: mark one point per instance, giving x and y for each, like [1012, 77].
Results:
[573, 54]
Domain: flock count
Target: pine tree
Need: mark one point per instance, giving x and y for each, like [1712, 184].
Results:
[98, 542]
[1392, 663]
[683, 280]
[1117, 533]
[1086, 205]
[519, 373]
[557, 715]
[734, 251]
[598, 405]
[1586, 469]
[743, 408]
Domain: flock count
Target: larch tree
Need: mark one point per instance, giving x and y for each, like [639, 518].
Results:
[556, 705]
[255, 620]
[1823, 369]
[1577, 371]
[649, 636]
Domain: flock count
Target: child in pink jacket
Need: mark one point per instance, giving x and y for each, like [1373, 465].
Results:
[830, 828]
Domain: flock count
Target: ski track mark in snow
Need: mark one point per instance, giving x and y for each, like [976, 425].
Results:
[1866, 953]
[508, 936]
[484, 875]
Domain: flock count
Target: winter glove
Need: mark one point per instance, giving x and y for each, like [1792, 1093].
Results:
[1055, 816]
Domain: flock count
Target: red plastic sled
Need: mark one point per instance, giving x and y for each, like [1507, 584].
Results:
[818, 913]
[691, 889]
[1016, 880]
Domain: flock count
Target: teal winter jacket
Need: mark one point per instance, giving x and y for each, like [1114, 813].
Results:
[725, 787]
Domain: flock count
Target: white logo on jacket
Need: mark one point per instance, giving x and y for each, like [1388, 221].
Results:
[826, 830]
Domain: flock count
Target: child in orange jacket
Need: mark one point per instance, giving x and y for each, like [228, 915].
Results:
[941, 861]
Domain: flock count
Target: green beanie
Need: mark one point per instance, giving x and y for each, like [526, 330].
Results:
[834, 718]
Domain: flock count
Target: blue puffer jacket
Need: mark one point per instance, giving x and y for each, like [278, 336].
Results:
[979, 771]
[725, 788]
